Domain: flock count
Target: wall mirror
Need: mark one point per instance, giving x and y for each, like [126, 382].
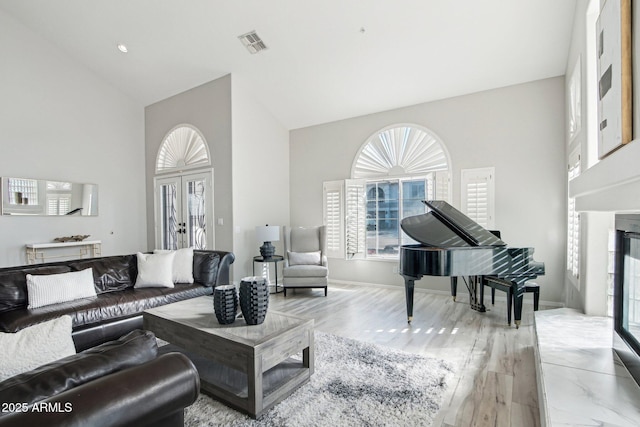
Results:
[25, 196]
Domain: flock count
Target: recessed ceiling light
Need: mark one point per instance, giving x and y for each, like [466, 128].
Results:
[122, 48]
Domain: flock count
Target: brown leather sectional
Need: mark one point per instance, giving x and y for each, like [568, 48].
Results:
[118, 364]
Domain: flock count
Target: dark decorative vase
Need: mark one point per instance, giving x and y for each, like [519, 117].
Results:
[225, 303]
[254, 299]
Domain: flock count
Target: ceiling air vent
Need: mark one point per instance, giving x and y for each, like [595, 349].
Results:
[252, 42]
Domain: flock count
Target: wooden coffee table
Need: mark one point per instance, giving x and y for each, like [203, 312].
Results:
[247, 367]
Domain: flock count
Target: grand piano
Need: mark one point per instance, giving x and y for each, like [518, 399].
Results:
[452, 244]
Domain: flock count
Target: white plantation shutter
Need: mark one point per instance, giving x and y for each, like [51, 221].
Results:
[441, 190]
[333, 217]
[345, 218]
[52, 206]
[478, 195]
[476, 201]
[58, 205]
[64, 205]
[573, 236]
[355, 218]
[573, 223]
[184, 146]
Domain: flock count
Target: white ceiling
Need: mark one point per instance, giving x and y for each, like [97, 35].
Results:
[326, 59]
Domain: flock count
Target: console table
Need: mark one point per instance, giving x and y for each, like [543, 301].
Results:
[42, 251]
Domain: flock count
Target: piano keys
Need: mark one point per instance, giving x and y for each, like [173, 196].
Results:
[451, 244]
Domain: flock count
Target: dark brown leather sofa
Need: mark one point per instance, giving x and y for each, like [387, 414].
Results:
[117, 378]
[119, 383]
[118, 307]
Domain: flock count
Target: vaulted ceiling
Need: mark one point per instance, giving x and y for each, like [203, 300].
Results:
[326, 59]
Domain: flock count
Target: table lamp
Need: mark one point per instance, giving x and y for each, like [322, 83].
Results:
[267, 234]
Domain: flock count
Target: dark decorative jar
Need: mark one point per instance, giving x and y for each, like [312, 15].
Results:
[225, 303]
[254, 299]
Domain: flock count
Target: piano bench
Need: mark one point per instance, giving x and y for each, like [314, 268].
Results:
[535, 288]
[530, 287]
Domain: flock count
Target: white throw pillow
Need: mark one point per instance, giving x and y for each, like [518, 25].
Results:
[304, 258]
[155, 270]
[35, 346]
[182, 264]
[54, 288]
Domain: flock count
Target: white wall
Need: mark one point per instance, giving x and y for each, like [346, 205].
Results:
[208, 108]
[519, 130]
[59, 121]
[250, 156]
[260, 175]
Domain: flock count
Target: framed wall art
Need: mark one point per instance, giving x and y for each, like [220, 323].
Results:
[614, 76]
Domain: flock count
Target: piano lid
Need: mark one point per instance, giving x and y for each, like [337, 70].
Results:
[446, 227]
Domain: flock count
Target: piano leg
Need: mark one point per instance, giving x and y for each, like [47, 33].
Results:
[454, 286]
[408, 287]
[510, 299]
[518, 297]
[517, 309]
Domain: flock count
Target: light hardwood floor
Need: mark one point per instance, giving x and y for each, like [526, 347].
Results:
[495, 379]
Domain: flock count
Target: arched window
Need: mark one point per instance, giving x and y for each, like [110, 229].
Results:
[402, 165]
[393, 172]
[183, 147]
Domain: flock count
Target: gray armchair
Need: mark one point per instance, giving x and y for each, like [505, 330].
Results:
[305, 258]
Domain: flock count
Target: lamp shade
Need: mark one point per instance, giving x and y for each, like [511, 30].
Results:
[268, 233]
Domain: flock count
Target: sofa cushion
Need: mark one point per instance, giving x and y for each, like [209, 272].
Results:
[55, 288]
[182, 264]
[13, 284]
[105, 307]
[35, 346]
[155, 270]
[304, 258]
[205, 268]
[133, 349]
[110, 274]
[306, 271]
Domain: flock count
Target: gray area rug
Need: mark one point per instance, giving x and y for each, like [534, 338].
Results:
[354, 384]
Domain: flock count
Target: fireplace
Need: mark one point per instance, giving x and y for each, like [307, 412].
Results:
[626, 303]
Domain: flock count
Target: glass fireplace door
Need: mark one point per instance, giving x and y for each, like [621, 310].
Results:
[630, 315]
[626, 293]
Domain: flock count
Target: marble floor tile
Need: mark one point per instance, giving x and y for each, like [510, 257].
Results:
[585, 398]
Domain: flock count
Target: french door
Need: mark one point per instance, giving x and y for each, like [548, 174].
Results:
[184, 211]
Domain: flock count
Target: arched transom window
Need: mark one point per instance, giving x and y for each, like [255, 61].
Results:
[183, 147]
[400, 150]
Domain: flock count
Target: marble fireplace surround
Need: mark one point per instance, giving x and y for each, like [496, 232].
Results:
[581, 380]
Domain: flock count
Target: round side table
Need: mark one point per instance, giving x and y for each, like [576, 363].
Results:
[274, 259]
